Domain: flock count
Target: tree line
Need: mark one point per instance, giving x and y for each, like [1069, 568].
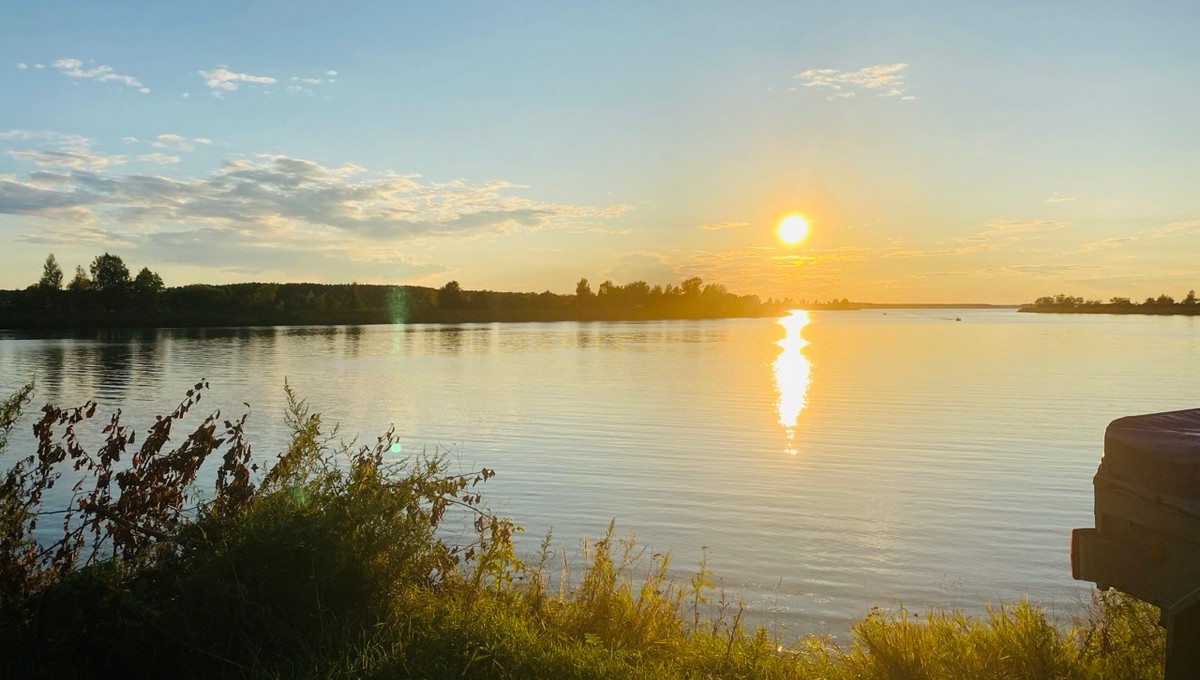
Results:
[1163, 304]
[107, 294]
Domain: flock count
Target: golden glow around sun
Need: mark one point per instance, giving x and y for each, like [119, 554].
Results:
[792, 229]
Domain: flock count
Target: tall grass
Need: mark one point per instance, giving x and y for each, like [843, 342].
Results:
[330, 564]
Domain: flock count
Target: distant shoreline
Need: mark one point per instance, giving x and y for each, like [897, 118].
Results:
[1142, 310]
[144, 303]
[931, 305]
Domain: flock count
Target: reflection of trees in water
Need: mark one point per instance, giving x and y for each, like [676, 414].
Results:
[52, 363]
[479, 339]
[147, 358]
[113, 361]
[119, 358]
[352, 344]
[586, 334]
[649, 334]
[450, 340]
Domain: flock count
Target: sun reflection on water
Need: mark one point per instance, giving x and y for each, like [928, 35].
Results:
[792, 375]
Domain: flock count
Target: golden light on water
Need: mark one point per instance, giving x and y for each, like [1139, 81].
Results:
[792, 375]
[792, 229]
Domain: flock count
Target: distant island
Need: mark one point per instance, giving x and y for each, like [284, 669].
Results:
[106, 295]
[1163, 304]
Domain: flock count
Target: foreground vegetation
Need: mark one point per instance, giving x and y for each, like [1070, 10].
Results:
[336, 562]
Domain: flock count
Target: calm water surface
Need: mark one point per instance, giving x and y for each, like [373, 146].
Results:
[830, 461]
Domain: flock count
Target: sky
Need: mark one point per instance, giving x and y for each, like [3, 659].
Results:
[942, 152]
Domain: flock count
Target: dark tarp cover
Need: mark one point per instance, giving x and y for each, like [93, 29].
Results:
[1158, 454]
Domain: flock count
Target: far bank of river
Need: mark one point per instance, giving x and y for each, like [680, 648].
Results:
[1174, 310]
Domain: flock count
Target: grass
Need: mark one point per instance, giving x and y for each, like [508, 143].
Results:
[331, 565]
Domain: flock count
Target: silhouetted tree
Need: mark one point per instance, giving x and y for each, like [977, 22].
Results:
[147, 286]
[583, 290]
[450, 296]
[81, 281]
[52, 275]
[109, 274]
[1189, 299]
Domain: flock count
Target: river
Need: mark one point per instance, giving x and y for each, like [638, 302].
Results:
[829, 461]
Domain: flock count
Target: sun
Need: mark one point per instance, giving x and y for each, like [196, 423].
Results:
[792, 229]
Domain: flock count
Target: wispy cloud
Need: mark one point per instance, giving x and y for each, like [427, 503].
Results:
[67, 159]
[1041, 269]
[1005, 227]
[1059, 198]
[70, 151]
[720, 226]
[908, 253]
[306, 84]
[65, 141]
[1106, 244]
[179, 142]
[1096, 246]
[811, 273]
[1036, 270]
[158, 158]
[74, 68]
[1175, 229]
[880, 80]
[221, 80]
[652, 267]
[997, 235]
[22, 66]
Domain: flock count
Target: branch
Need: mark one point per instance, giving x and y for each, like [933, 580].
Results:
[126, 524]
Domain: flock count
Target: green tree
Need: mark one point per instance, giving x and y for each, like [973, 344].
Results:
[583, 290]
[147, 286]
[81, 281]
[450, 296]
[52, 275]
[110, 274]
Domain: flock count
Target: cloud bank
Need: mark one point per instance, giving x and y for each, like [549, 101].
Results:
[269, 204]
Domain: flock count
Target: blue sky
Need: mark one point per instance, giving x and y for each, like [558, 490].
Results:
[942, 151]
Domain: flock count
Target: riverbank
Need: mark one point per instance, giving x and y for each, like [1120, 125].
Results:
[336, 562]
[306, 304]
[1175, 310]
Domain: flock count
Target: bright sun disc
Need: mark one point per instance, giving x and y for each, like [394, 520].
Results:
[792, 229]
